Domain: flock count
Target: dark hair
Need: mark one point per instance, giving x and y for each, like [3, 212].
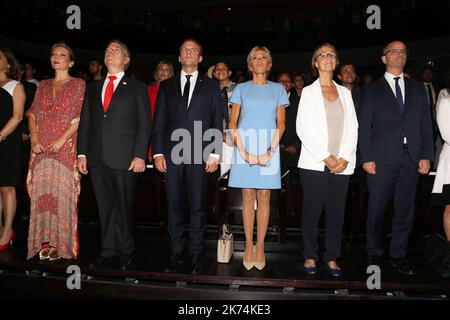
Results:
[124, 47]
[12, 61]
[314, 69]
[223, 62]
[194, 41]
[65, 46]
[285, 73]
[427, 67]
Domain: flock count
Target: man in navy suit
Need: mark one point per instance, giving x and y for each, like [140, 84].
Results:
[188, 108]
[396, 145]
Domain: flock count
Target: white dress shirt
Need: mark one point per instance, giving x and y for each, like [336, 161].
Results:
[192, 80]
[401, 82]
[119, 76]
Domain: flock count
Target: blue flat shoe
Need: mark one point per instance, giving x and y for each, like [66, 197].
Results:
[334, 272]
[310, 270]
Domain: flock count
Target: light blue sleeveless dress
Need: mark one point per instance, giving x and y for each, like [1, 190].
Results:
[257, 125]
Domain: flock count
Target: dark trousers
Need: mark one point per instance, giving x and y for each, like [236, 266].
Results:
[400, 180]
[323, 190]
[191, 180]
[114, 191]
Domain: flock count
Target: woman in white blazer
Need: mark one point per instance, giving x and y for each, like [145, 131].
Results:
[328, 128]
[441, 187]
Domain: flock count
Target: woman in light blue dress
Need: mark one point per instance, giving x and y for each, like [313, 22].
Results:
[259, 105]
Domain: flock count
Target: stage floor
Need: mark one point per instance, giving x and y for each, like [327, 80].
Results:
[282, 277]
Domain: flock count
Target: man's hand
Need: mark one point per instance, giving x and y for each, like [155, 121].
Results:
[160, 163]
[370, 167]
[137, 165]
[82, 165]
[424, 166]
[212, 164]
[341, 166]
[56, 146]
[330, 162]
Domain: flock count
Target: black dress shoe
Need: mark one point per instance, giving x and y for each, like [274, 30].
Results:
[174, 262]
[402, 265]
[124, 261]
[196, 264]
[101, 261]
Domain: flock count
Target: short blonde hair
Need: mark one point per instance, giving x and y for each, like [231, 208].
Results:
[256, 49]
[314, 69]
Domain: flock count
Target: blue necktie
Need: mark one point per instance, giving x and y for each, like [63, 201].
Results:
[398, 94]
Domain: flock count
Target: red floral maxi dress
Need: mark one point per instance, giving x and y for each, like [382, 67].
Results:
[53, 182]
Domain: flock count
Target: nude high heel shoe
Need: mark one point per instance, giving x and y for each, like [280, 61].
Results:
[249, 264]
[260, 264]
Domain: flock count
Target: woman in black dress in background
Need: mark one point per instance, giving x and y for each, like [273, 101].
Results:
[12, 100]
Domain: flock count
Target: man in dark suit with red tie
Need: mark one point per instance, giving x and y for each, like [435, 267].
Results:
[188, 106]
[396, 145]
[113, 138]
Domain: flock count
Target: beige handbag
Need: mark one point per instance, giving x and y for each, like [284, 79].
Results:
[225, 246]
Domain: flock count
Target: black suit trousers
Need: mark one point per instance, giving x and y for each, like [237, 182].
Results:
[190, 180]
[398, 180]
[114, 191]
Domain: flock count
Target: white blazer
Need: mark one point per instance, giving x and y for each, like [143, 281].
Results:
[443, 120]
[312, 129]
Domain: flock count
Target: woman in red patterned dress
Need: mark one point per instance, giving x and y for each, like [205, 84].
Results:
[53, 181]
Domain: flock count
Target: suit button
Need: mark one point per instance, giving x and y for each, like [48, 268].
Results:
[105, 116]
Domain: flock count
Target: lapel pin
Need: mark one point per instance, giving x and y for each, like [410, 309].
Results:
[124, 83]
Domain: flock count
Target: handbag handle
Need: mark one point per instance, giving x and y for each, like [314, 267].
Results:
[224, 229]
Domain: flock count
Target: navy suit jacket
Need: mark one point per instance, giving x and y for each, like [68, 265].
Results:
[382, 125]
[205, 109]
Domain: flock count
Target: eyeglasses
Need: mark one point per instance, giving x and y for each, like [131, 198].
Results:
[190, 50]
[324, 55]
[396, 52]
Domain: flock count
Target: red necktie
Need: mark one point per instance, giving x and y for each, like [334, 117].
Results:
[109, 92]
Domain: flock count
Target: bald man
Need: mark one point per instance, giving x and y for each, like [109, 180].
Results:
[396, 145]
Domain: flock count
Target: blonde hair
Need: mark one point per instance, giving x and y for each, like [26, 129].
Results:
[65, 46]
[253, 53]
[159, 66]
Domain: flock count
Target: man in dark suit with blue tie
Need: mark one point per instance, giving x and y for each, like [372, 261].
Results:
[396, 145]
[187, 140]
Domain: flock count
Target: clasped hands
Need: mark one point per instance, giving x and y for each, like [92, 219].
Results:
[260, 160]
[54, 147]
[335, 165]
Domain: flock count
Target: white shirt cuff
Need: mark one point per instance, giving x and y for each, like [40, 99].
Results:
[81, 156]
